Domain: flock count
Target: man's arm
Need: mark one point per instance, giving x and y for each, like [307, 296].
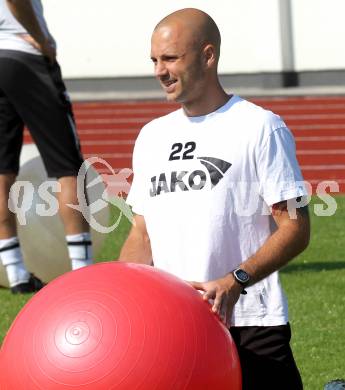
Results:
[23, 11]
[137, 247]
[290, 239]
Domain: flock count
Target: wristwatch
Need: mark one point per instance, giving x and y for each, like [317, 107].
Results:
[242, 278]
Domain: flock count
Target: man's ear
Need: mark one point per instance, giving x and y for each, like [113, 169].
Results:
[209, 53]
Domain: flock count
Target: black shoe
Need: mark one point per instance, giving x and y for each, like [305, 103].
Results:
[32, 285]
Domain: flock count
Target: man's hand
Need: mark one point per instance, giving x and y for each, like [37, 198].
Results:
[24, 12]
[47, 47]
[224, 292]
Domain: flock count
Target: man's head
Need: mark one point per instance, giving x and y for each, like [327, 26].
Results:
[185, 49]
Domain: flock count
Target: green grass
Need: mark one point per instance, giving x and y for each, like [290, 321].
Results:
[315, 286]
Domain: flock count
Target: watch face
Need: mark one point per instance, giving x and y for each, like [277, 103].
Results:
[242, 276]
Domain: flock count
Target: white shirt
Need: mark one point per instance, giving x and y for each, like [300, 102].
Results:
[204, 185]
[11, 29]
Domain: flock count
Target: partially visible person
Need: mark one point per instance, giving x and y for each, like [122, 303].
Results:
[214, 183]
[32, 93]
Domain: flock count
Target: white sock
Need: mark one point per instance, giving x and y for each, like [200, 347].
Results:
[12, 260]
[79, 249]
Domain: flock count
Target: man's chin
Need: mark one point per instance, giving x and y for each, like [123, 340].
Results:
[171, 97]
[174, 97]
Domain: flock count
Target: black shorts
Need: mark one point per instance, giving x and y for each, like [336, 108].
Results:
[32, 93]
[266, 358]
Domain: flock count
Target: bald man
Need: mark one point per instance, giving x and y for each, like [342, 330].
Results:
[215, 194]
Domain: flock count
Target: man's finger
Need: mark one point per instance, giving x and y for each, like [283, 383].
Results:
[197, 285]
[217, 303]
[210, 294]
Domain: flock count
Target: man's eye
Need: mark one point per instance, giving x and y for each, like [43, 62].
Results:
[169, 58]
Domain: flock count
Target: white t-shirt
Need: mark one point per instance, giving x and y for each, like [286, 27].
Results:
[11, 29]
[204, 185]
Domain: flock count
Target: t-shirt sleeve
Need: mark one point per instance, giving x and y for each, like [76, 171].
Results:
[133, 198]
[137, 194]
[280, 176]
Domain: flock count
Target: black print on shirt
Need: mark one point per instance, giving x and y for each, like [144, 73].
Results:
[177, 148]
[187, 181]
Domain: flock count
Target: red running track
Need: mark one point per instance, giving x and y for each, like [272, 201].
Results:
[109, 129]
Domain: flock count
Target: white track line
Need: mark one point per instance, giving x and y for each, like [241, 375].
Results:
[111, 120]
[320, 151]
[325, 138]
[329, 126]
[127, 111]
[108, 131]
[315, 116]
[301, 107]
[107, 142]
[108, 155]
[323, 167]
[316, 181]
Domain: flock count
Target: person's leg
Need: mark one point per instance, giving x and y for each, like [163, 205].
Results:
[50, 120]
[8, 225]
[73, 220]
[11, 130]
[10, 252]
[76, 227]
[266, 358]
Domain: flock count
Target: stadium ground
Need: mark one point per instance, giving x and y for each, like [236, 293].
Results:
[315, 281]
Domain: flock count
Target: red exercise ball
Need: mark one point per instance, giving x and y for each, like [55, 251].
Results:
[118, 326]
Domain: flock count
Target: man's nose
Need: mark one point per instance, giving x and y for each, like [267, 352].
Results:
[160, 69]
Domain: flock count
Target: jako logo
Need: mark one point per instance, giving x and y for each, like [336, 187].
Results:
[195, 180]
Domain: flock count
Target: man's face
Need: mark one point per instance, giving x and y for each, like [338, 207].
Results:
[178, 64]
